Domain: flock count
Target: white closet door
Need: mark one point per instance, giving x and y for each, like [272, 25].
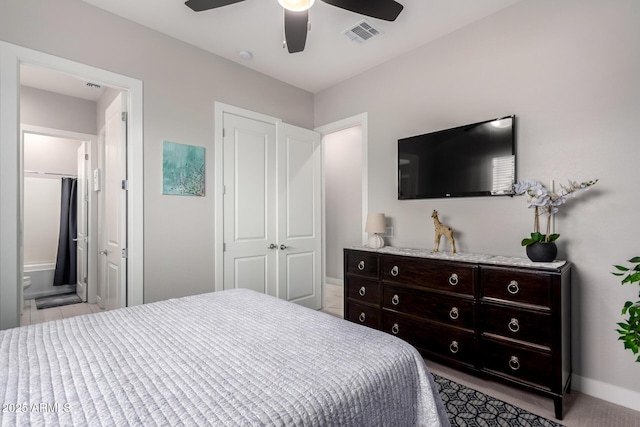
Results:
[299, 216]
[249, 204]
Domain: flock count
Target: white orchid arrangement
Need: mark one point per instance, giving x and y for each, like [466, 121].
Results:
[546, 202]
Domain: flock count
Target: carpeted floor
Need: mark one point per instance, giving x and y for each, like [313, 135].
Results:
[470, 408]
[57, 300]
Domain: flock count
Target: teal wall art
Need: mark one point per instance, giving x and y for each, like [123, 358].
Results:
[182, 169]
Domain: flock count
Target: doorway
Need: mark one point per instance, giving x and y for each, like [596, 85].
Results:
[11, 227]
[50, 156]
[345, 191]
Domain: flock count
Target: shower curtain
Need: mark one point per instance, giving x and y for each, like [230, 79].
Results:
[65, 273]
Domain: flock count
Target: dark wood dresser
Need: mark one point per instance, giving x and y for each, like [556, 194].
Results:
[506, 318]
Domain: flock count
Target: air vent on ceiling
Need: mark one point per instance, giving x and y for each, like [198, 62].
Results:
[362, 32]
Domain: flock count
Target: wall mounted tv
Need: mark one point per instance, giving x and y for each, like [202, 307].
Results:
[472, 160]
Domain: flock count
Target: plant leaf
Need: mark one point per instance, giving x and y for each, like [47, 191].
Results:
[553, 237]
[635, 259]
[635, 277]
[621, 268]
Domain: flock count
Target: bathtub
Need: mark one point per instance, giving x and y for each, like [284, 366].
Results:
[42, 281]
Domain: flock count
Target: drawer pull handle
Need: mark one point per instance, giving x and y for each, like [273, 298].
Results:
[394, 271]
[395, 300]
[453, 279]
[395, 329]
[514, 325]
[453, 347]
[362, 317]
[514, 363]
[513, 287]
[361, 265]
[362, 291]
[453, 314]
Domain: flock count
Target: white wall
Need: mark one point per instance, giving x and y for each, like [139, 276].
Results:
[181, 84]
[569, 71]
[343, 195]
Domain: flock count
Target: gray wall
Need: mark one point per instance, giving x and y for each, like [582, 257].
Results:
[181, 84]
[570, 72]
[47, 109]
[343, 196]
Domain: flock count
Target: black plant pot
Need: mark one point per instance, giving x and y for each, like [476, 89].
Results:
[542, 252]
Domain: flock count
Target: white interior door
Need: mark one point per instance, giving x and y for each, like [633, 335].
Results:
[249, 204]
[82, 261]
[115, 206]
[299, 216]
[98, 187]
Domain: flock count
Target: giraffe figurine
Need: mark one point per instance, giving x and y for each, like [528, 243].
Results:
[441, 230]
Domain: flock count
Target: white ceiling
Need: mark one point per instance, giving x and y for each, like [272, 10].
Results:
[329, 57]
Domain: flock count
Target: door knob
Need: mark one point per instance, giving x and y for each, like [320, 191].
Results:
[105, 252]
[283, 247]
[272, 246]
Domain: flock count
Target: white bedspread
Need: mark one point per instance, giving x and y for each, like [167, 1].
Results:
[225, 359]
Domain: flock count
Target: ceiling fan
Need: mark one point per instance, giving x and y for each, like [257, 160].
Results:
[296, 14]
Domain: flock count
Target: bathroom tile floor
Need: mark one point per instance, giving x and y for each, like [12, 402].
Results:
[31, 315]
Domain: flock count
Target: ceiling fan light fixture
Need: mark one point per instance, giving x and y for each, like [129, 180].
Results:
[296, 5]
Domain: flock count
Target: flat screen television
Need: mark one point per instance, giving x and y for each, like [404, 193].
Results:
[466, 161]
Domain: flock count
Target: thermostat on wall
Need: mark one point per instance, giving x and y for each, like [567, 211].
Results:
[96, 180]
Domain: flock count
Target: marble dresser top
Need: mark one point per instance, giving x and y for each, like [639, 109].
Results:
[465, 257]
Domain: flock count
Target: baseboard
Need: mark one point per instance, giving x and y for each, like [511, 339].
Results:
[609, 392]
[334, 281]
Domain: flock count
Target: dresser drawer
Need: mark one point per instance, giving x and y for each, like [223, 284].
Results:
[437, 307]
[517, 362]
[454, 343]
[362, 263]
[363, 290]
[453, 277]
[363, 314]
[524, 325]
[516, 286]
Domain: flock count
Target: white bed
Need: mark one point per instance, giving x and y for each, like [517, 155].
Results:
[225, 358]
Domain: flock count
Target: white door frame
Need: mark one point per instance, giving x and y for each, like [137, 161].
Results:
[219, 110]
[11, 56]
[92, 214]
[362, 121]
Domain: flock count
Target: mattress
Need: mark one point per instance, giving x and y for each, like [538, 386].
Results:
[231, 358]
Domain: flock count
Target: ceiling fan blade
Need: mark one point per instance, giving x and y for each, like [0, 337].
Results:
[200, 5]
[295, 30]
[381, 9]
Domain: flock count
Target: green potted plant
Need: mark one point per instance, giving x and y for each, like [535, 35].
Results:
[630, 329]
[541, 246]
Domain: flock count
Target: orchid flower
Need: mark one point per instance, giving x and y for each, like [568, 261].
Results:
[543, 201]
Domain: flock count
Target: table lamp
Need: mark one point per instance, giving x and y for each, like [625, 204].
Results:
[375, 226]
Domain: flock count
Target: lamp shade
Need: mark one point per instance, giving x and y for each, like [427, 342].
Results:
[375, 223]
[296, 5]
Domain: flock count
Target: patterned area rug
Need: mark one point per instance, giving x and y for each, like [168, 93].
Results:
[57, 300]
[470, 408]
